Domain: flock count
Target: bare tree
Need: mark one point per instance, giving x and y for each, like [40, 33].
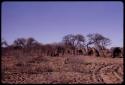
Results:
[25, 42]
[100, 42]
[4, 43]
[79, 40]
[28, 45]
[74, 41]
[105, 42]
[69, 40]
[16, 43]
[20, 42]
[30, 41]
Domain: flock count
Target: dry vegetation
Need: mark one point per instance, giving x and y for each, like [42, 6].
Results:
[72, 61]
[65, 69]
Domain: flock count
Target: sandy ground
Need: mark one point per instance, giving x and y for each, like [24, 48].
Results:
[61, 70]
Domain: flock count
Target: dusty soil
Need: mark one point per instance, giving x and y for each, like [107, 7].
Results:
[61, 70]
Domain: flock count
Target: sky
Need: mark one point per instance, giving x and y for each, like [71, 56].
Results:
[48, 22]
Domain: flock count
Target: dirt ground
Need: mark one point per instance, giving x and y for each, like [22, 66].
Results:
[66, 69]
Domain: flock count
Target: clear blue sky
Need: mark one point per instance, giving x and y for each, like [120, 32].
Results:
[48, 22]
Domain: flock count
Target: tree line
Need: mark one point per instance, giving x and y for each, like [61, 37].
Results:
[94, 43]
[78, 41]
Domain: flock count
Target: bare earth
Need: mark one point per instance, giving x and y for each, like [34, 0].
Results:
[66, 69]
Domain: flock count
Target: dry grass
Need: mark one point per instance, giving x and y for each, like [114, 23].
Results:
[65, 69]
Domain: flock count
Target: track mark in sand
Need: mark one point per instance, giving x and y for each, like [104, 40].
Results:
[95, 74]
[107, 74]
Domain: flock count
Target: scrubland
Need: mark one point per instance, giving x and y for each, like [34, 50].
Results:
[67, 69]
